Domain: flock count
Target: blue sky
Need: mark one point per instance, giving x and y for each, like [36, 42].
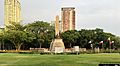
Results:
[90, 14]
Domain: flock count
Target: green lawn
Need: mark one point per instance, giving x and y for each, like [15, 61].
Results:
[9, 59]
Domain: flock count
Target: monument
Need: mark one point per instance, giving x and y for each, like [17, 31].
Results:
[57, 44]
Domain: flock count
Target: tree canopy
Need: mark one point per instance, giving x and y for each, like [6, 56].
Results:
[39, 34]
[43, 31]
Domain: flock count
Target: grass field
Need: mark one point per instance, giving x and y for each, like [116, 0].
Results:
[9, 59]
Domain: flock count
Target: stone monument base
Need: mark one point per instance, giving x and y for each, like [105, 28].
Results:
[57, 46]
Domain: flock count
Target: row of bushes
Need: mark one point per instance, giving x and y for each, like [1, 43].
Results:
[14, 51]
[65, 53]
[101, 51]
[50, 53]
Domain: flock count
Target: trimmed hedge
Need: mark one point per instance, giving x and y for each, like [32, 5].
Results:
[65, 53]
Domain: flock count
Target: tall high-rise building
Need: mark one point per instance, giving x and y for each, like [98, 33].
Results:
[68, 18]
[12, 12]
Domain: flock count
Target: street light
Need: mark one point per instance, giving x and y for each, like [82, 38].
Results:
[91, 45]
[109, 43]
[90, 42]
[102, 44]
[112, 44]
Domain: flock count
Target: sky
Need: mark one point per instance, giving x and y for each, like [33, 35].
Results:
[90, 14]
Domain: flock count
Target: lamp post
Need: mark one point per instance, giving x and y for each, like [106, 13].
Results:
[112, 45]
[101, 44]
[91, 45]
[109, 44]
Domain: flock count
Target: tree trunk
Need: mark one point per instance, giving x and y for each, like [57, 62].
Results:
[70, 45]
[40, 45]
[18, 47]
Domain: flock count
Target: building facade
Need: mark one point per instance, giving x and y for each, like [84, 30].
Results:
[67, 18]
[12, 12]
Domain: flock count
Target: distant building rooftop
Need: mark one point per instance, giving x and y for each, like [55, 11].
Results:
[67, 8]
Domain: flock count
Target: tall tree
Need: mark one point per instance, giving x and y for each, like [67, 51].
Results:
[70, 38]
[18, 38]
[17, 35]
[43, 31]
